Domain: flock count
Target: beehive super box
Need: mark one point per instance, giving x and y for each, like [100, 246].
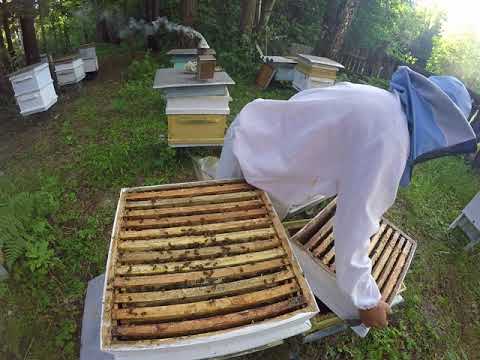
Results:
[199, 270]
[391, 252]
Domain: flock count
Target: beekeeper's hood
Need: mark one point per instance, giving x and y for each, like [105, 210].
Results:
[437, 110]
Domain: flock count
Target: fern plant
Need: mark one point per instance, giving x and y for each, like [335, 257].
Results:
[19, 215]
[14, 213]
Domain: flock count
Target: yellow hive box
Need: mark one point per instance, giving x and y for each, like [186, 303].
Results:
[191, 130]
[319, 72]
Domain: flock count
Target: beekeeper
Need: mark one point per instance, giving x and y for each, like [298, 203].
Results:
[358, 142]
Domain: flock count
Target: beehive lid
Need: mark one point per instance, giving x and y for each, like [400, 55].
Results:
[317, 60]
[87, 46]
[279, 60]
[187, 52]
[190, 260]
[206, 58]
[391, 250]
[36, 67]
[173, 78]
[66, 59]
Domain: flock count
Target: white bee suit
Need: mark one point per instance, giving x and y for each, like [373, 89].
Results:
[351, 140]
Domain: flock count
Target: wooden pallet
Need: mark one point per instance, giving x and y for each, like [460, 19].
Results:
[391, 250]
[196, 259]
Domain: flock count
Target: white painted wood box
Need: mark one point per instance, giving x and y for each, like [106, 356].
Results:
[200, 270]
[33, 87]
[30, 78]
[199, 105]
[89, 56]
[69, 70]
[37, 101]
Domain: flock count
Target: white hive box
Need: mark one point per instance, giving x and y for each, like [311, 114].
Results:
[218, 90]
[30, 78]
[33, 87]
[90, 65]
[69, 70]
[314, 71]
[200, 270]
[89, 56]
[199, 105]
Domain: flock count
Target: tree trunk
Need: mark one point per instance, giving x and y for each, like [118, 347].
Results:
[27, 23]
[344, 20]
[221, 8]
[258, 13]
[155, 9]
[336, 22]
[189, 11]
[43, 10]
[247, 16]
[6, 27]
[152, 9]
[5, 61]
[329, 27]
[267, 8]
[6, 91]
[66, 37]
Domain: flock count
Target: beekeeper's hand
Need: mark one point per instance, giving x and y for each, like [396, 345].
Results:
[376, 317]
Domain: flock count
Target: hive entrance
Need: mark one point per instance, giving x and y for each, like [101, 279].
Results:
[192, 259]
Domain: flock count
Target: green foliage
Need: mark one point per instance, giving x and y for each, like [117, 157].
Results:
[39, 256]
[63, 340]
[136, 134]
[395, 26]
[23, 221]
[458, 55]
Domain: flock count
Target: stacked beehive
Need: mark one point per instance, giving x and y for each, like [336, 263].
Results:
[69, 70]
[89, 56]
[313, 71]
[196, 108]
[200, 270]
[33, 87]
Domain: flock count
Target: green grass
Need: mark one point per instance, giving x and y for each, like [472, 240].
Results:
[112, 136]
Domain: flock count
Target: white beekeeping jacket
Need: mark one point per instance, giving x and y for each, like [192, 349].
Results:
[349, 139]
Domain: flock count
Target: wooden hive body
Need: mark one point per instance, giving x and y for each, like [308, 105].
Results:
[206, 66]
[188, 129]
[391, 251]
[198, 264]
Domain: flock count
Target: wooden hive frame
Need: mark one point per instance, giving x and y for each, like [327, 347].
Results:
[192, 260]
[391, 250]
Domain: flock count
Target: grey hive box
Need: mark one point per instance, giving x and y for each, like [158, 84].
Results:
[284, 67]
[469, 222]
